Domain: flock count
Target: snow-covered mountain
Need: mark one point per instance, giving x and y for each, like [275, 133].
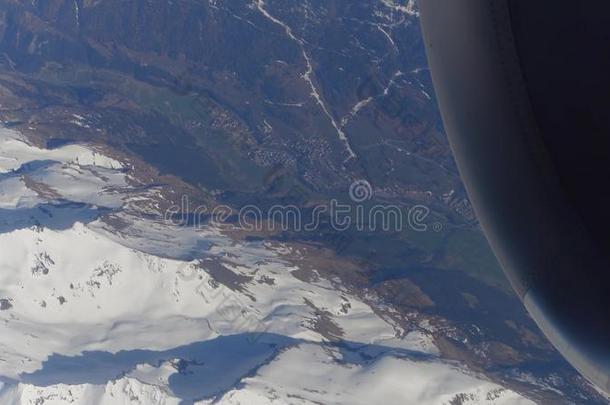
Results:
[114, 112]
[101, 304]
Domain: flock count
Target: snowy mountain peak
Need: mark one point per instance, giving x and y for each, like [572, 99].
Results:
[96, 315]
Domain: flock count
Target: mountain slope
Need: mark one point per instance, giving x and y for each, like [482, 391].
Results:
[89, 318]
[126, 124]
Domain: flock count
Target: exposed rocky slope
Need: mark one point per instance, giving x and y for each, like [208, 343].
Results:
[122, 108]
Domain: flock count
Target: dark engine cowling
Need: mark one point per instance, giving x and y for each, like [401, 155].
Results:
[524, 91]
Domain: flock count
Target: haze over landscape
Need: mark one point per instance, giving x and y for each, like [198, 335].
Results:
[135, 135]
